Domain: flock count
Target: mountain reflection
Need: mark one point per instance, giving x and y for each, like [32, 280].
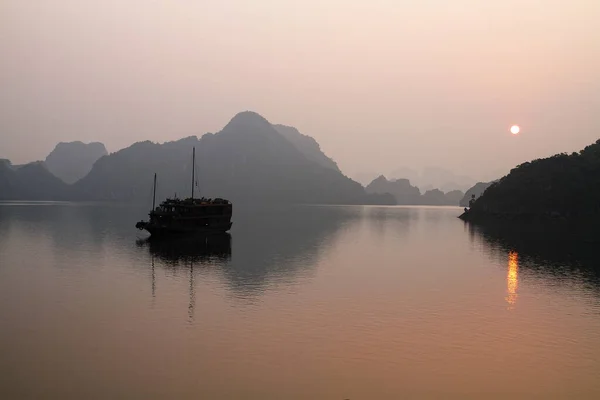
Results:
[270, 246]
[280, 244]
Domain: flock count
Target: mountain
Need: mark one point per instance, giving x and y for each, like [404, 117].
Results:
[436, 197]
[364, 178]
[476, 191]
[445, 180]
[247, 161]
[406, 194]
[401, 189]
[8, 181]
[74, 160]
[30, 182]
[453, 197]
[430, 178]
[307, 146]
[562, 187]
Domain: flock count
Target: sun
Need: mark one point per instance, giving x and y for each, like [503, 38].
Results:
[515, 129]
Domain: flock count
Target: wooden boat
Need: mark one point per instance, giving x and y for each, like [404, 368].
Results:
[188, 216]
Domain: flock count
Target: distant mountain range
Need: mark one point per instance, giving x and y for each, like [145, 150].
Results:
[249, 160]
[434, 178]
[406, 194]
[428, 178]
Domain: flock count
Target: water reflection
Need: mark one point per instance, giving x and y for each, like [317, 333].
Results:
[273, 244]
[68, 228]
[338, 310]
[281, 244]
[396, 221]
[194, 253]
[542, 253]
[512, 278]
[176, 251]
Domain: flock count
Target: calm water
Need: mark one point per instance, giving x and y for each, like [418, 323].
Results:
[298, 303]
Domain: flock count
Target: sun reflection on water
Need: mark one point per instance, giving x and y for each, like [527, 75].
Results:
[512, 278]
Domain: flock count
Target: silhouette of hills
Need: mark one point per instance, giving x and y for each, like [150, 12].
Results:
[249, 160]
[401, 189]
[74, 160]
[453, 197]
[433, 197]
[562, 188]
[434, 177]
[32, 181]
[406, 194]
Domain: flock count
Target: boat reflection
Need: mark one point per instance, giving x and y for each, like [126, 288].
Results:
[512, 278]
[176, 253]
[195, 249]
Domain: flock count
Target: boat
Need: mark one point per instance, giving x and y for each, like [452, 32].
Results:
[188, 216]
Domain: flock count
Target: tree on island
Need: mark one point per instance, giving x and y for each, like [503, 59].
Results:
[564, 186]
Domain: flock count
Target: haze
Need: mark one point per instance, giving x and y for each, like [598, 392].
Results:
[379, 84]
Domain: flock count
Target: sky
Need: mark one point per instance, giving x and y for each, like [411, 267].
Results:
[380, 84]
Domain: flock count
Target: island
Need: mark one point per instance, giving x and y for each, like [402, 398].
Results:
[563, 189]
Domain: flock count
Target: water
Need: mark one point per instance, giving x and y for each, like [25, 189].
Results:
[303, 302]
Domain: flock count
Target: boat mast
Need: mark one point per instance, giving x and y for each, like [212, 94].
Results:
[154, 193]
[193, 169]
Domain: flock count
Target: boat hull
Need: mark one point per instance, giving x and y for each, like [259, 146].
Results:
[158, 230]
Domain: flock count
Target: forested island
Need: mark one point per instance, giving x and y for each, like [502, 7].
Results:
[564, 188]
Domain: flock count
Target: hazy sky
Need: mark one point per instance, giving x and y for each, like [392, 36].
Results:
[380, 84]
